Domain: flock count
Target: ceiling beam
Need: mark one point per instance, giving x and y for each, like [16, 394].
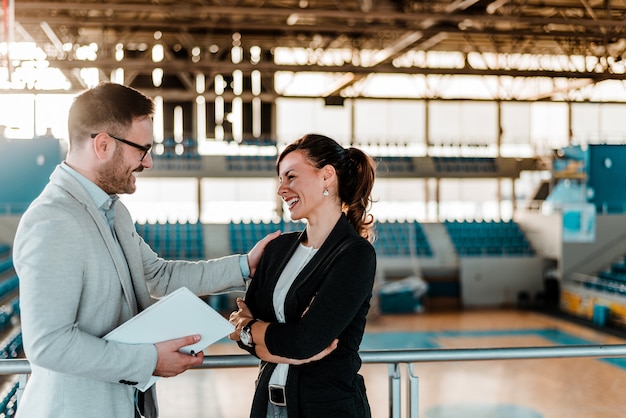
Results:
[25, 13]
[224, 67]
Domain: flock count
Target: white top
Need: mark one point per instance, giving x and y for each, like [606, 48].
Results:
[298, 260]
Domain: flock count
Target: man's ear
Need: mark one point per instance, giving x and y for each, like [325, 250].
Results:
[102, 145]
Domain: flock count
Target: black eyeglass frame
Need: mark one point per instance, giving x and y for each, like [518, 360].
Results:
[145, 149]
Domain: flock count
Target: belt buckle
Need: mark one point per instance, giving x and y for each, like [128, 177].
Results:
[277, 395]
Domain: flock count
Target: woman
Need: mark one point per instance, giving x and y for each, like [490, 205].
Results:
[312, 289]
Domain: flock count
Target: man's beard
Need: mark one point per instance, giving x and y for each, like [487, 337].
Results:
[114, 178]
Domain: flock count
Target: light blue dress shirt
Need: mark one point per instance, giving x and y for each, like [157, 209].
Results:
[103, 201]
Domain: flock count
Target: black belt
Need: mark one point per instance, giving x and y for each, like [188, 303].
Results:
[277, 395]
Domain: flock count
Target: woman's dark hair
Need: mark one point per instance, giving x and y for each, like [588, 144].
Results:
[355, 176]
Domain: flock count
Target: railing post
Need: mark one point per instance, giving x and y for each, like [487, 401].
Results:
[22, 378]
[413, 393]
[394, 391]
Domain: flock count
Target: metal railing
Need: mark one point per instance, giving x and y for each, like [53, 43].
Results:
[394, 359]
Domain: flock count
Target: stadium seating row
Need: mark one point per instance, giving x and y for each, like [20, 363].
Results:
[170, 155]
[243, 235]
[393, 239]
[488, 238]
[174, 240]
[396, 164]
[465, 165]
[250, 162]
[612, 280]
[391, 164]
[401, 239]
[8, 399]
[188, 143]
[11, 346]
[6, 264]
[9, 313]
[7, 286]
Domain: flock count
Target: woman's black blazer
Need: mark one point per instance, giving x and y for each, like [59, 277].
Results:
[336, 286]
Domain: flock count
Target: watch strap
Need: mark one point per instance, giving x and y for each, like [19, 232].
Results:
[248, 331]
[249, 324]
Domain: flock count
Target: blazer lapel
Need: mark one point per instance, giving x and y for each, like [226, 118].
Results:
[73, 187]
[332, 247]
[118, 258]
[329, 248]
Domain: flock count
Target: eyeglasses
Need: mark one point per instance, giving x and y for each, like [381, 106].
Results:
[145, 149]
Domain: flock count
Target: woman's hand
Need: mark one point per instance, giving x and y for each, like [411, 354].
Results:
[239, 318]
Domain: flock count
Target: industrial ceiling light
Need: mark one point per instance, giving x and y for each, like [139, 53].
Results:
[157, 77]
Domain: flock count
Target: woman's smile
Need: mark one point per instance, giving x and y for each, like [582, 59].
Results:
[291, 202]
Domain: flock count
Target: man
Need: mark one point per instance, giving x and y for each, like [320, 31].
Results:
[84, 270]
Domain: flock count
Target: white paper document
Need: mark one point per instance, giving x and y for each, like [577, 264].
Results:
[176, 315]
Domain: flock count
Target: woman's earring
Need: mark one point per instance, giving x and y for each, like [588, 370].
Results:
[325, 193]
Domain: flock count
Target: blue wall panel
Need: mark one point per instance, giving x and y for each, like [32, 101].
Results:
[607, 177]
[25, 167]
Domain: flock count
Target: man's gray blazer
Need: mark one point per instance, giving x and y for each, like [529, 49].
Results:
[75, 287]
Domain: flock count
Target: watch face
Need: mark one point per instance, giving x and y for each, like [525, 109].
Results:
[244, 336]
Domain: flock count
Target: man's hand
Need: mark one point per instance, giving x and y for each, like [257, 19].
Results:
[171, 362]
[254, 256]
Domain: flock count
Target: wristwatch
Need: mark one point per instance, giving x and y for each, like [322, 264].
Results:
[246, 334]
